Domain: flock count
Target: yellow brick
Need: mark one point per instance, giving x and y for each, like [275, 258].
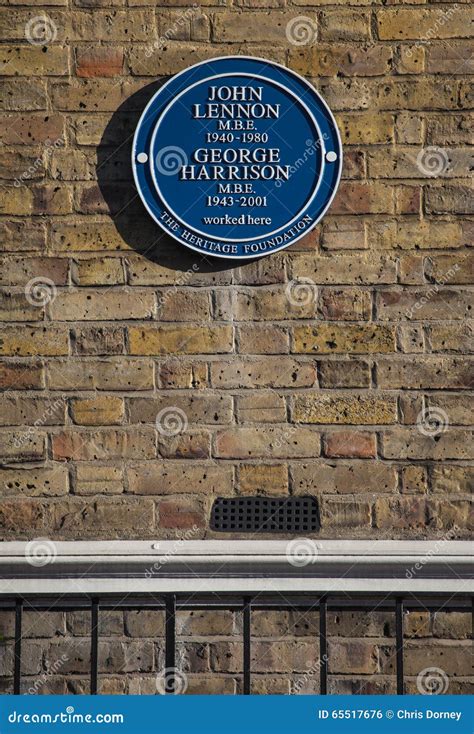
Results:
[336, 339]
[103, 410]
[180, 340]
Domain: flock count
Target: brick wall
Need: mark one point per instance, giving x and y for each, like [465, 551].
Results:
[321, 370]
[285, 653]
[310, 371]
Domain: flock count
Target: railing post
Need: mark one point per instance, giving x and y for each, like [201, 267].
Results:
[94, 645]
[399, 645]
[170, 644]
[17, 651]
[323, 647]
[247, 626]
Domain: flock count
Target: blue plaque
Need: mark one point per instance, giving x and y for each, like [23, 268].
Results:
[237, 157]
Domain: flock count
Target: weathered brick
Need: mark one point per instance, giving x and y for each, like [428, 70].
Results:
[263, 479]
[31, 129]
[414, 480]
[17, 411]
[211, 409]
[411, 23]
[94, 479]
[263, 271]
[262, 339]
[259, 26]
[73, 305]
[99, 61]
[110, 517]
[449, 200]
[427, 304]
[178, 478]
[345, 25]
[457, 406]
[450, 269]
[26, 445]
[451, 657]
[20, 518]
[424, 372]
[455, 479]
[105, 444]
[98, 340]
[177, 373]
[408, 235]
[453, 337]
[366, 128]
[347, 269]
[98, 271]
[408, 443]
[263, 408]
[345, 304]
[342, 444]
[272, 304]
[342, 408]
[344, 373]
[266, 442]
[124, 374]
[338, 513]
[353, 656]
[34, 60]
[268, 371]
[342, 338]
[104, 410]
[181, 513]
[23, 95]
[187, 445]
[20, 271]
[48, 482]
[186, 305]
[180, 340]
[408, 513]
[339, 478]
[32, 341]
[334, 59]
[16, 307]
[21, 375]
[22, 236]
[362, 197]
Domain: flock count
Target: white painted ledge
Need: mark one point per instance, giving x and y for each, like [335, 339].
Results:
[239, 567]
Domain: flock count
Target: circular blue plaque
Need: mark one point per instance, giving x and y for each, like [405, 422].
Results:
[237, 157]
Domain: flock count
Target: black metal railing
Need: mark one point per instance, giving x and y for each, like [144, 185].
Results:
[172, 603]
